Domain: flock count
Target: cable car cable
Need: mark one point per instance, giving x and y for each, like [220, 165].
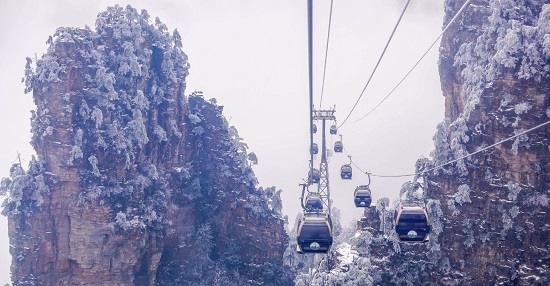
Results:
[376, 66]
[457, 159]
[326, 55]
[310, 68]
[416, 64]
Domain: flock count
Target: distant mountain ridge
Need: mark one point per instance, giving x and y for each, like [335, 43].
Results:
[135, 183]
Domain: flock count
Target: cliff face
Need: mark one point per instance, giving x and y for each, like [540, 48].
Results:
[495, 76]
[489, 212]
[134, 183]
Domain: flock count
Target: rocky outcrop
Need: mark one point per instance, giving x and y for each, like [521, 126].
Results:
[495, 70]
[489, 211]
[135, 183]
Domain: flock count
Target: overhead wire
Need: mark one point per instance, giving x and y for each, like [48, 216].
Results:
[326, 55]
[416, 64]
[457, 159]
[377, 63]
[310, 69]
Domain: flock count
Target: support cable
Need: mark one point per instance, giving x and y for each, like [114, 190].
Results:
[457, 159]
[376, 66]
[310, 67]
[416, 64]
[326, 55]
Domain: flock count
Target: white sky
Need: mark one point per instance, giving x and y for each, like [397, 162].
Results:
[252, 57]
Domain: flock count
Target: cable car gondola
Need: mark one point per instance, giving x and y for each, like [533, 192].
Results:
[338, 147]
[333, 130]
[362, 196]
[314, 128]
[314, 203]
[346, 172]
[412, 224]
[314, 233]
[315, 177]
[314, 148]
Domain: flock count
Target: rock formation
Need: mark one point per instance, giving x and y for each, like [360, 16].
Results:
[490, 211]
[135, 183]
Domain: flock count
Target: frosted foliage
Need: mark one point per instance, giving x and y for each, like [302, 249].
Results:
[463, 194]
[194, 119]
[458, 138]
[385, 213]
[362, 242]
[506, 99]
[174, 128]
[47, 69]
[84, 110]
[418, 194]
[78, 137]
[106, 80]
[48, 131]
[24, 190]
[28, 78]
[120, 141]
[506, 221]
[239, 146]
[40, 187]
[521, 108]
[436, 216]
[160, 133]
[198, 131]
[137, 129]
[520, 141]
[538, 200]
[514, 211]
[140, 101]
[395, 242]
[508, 47]
[93, 161]
[129, 61]
[264, 202]
[467, 229]
[168, 67]
[381, 204]
[122, 222]
[520, 41]
[97, 117]
[75, 153]
[452, 208]
[489, 177]
[509, 41]
[513, 190]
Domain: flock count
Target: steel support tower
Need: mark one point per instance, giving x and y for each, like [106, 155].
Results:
[324, 187]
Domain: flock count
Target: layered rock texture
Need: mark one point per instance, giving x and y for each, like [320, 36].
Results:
[490, 211]
[135, 183]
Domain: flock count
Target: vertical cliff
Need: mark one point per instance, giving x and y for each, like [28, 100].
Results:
[495, 76]
[134, 183]
[490, 211]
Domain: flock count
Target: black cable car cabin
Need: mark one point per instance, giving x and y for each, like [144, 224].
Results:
[314, 148]
[346, 172]
[412, 224]
[362, 196]
[314, 203]
[315, 177]
[333, 130]
[314, 128]
[338, 147]
[314, 233]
